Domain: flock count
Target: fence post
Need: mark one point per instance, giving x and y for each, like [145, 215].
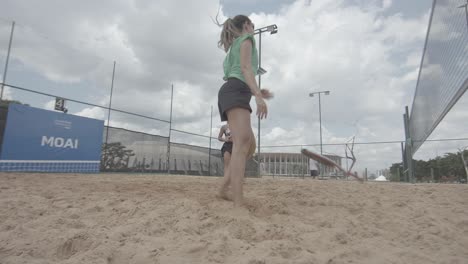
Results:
[169, 138]
[209, 150]
[5, 71]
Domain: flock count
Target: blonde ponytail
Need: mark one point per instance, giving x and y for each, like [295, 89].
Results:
[232, 28]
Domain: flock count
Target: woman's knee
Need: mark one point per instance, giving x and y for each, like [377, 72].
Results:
[242, 140]
[227, 158]
[239, 123]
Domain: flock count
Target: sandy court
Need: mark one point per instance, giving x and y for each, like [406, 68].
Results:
[121, 218]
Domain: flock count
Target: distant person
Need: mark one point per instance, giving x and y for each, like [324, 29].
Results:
[314, 172]
[226, 152]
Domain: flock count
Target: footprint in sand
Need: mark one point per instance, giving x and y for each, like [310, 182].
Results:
[78, 243]
[242, 229]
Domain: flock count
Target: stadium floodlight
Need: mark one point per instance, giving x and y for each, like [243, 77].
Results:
[273, 29]
[261, 71]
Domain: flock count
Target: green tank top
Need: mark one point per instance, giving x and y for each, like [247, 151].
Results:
[232, 65]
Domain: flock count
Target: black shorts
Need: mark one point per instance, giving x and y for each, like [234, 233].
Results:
[227, 146]
[234, 93]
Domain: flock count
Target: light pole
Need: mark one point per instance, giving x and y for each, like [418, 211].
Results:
[209, 148]
[7, 59]
[466, 12]
[320, 114]
[273, 29]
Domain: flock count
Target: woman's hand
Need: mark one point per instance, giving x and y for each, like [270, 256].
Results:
[262, 109]
[266, 94]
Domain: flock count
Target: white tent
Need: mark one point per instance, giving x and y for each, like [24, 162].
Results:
[381, 178]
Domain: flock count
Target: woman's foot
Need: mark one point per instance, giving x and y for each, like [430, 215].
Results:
[239, 203]
[223, 194]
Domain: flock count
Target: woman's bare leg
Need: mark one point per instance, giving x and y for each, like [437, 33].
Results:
[226, 179]
[239, 123]
[253, 146]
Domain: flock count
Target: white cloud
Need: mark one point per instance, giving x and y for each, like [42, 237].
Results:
[94, 112]
[386, 4]
[413, 59]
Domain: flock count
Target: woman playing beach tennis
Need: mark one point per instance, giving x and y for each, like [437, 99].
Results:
[240, 67]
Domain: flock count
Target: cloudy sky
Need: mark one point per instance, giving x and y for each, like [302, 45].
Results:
[365, 52]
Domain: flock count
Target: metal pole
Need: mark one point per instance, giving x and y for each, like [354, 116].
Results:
[209, 150]
[110, 104]
[403, 156]
[302, 165]
[259, 87]
[466, 12]
[409, 147]
[346, 154]
[7, 58]
[320, 120]
[169, 139]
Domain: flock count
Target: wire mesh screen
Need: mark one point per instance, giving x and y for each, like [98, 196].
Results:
[195, 160]
[443, 76]
[130, 151]
[125, 150]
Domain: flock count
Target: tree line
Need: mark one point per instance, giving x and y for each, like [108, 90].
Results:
[451, 167]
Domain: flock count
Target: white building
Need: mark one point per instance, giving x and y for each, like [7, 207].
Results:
[294, 164]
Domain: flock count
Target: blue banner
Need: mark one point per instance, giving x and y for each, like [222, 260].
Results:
[38, 135]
